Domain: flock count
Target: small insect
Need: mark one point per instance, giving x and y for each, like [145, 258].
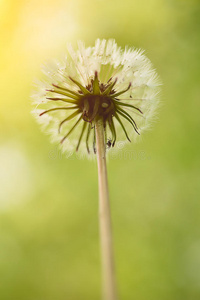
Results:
[109, 143]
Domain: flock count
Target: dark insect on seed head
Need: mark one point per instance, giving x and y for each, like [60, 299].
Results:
[109, 143]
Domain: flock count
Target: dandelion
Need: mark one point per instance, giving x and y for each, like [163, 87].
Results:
[96, 98]
[102, 82]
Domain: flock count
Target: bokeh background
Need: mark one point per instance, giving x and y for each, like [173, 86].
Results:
[49, 243]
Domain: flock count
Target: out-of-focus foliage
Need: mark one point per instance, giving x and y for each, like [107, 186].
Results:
[49, 246]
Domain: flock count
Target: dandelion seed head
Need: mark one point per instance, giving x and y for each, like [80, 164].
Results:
[119, 86]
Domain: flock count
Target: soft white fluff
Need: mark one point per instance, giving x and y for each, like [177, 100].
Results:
[109, 60]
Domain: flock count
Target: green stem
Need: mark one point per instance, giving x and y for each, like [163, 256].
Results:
[108, 272]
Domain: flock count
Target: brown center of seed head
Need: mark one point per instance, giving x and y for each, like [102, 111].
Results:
[94, 106]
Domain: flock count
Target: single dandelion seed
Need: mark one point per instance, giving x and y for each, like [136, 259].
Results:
[96, 98]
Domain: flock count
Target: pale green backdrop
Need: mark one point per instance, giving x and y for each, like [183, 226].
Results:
[49, 246]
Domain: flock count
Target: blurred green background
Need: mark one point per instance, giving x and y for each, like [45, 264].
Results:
[49, 243]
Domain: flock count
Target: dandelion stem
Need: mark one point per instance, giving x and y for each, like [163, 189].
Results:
[108, 272]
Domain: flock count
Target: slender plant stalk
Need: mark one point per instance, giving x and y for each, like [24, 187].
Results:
[108, 272]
